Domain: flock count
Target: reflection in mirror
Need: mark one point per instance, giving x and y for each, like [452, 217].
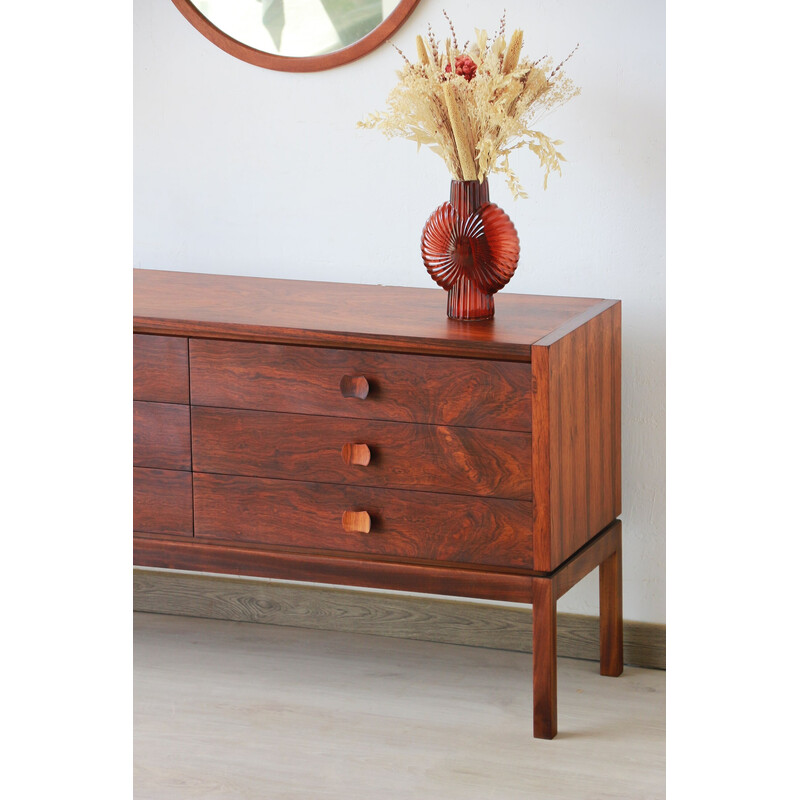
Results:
[296, 28]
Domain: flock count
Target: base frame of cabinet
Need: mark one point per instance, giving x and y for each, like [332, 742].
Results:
[542, 590]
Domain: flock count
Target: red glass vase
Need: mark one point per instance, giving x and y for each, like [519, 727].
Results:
[470, 248]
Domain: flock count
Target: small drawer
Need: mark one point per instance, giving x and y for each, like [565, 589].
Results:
[162, 501]
[161, 436]
[362, 384]
[329, 450]
[413, 525]
[160, 368]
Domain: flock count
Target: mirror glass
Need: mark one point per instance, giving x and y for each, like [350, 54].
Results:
[296, 28]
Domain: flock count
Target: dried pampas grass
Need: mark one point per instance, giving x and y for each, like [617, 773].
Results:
[475, 105]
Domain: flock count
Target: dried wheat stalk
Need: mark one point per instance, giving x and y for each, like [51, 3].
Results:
[474, 106]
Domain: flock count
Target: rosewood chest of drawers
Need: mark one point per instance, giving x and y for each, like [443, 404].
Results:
[355, 435]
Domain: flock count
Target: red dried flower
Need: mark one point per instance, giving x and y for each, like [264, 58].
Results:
[465, 66]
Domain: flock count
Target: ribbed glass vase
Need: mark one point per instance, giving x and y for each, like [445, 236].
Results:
[470, 248]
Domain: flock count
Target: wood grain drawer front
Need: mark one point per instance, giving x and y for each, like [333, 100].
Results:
[402, 455]
[161, 436]
[415, 525]
[160, 368]
[162, 501]
[404, 388]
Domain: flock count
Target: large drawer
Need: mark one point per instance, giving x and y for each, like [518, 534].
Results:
[404, 388]
[415, 525]
[161, 436]
[401, 455]
[162, 501]
[160, 368]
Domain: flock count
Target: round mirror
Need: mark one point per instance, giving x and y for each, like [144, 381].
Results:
[297, 35]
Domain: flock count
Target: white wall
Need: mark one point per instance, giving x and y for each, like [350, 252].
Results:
[242, 170]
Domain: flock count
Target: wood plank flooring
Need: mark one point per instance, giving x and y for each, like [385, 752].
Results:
[239, 710]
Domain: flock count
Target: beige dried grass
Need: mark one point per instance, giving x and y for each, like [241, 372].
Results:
[475, 124]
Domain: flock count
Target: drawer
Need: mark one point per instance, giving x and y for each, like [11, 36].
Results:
[399, 387]
[160, 368]
[161, 436]
[401, 455]
[414, 525]
[162, 501]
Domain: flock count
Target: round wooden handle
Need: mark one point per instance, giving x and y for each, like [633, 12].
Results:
[354, 386]
[356, 454]
[356, 521]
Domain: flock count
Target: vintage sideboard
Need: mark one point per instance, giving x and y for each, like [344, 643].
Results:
[355, 435]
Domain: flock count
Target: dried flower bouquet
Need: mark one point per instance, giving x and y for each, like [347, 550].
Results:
[474, 105]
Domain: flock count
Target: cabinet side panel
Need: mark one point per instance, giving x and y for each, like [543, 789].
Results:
[568, 360]
[602, 368]
[584, 433]
[541, 452]
[616, 386]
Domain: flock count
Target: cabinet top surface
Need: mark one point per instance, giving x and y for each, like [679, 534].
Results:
[347, 315]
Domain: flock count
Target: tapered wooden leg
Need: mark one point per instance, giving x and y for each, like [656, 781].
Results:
[611, 611]
[544, 659]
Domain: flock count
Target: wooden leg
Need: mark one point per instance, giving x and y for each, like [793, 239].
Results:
[611, 611]
[544, 659]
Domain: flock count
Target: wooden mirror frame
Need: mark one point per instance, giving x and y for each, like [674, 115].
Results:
[297, 63]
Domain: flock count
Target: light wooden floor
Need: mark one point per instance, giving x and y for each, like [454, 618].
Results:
[240, 710]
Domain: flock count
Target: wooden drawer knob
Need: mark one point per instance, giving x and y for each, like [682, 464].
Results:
[356, 521]
[356, 454]
[354, 386]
